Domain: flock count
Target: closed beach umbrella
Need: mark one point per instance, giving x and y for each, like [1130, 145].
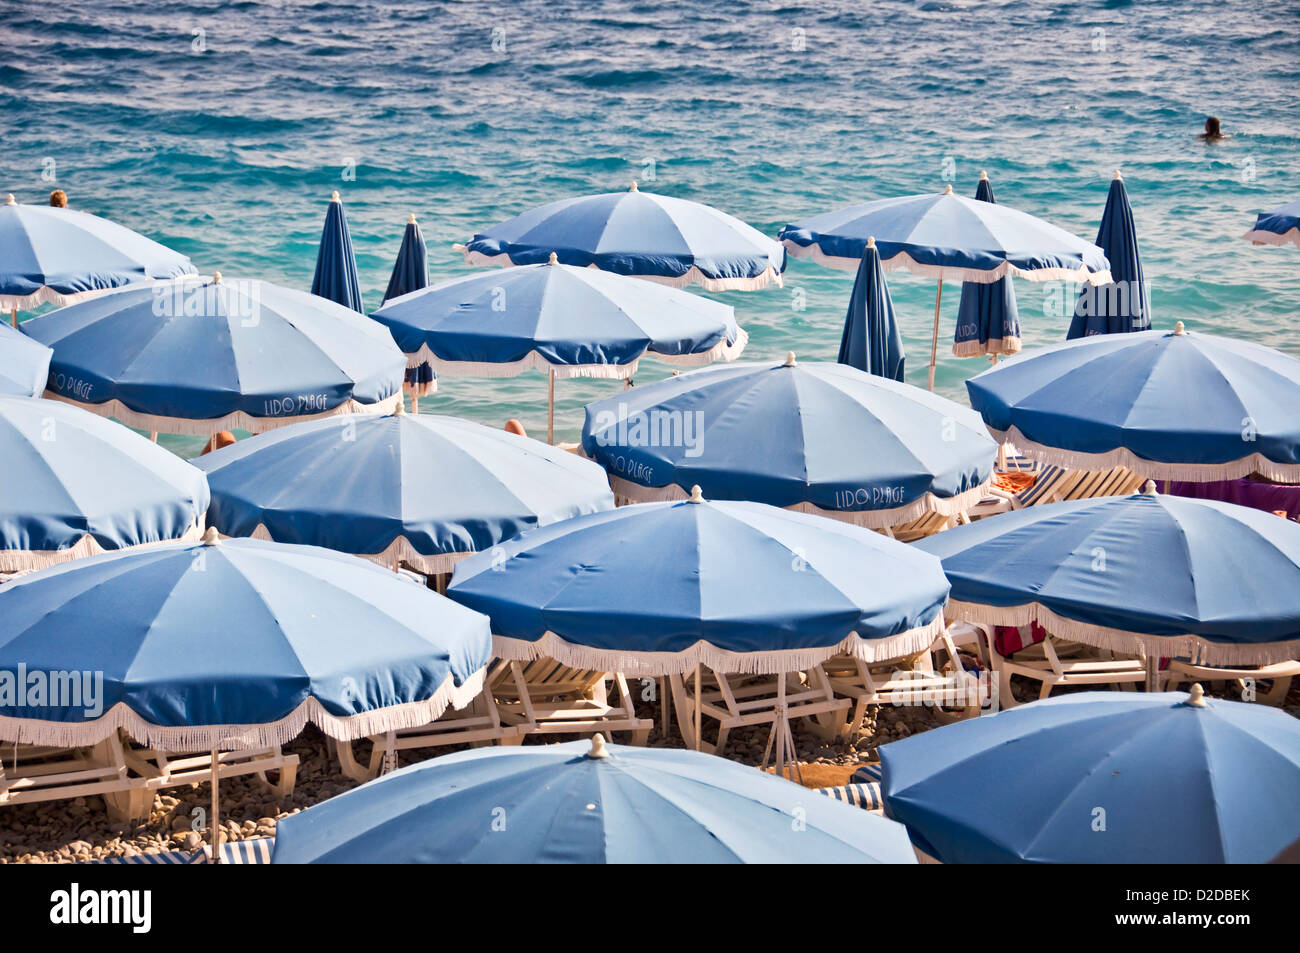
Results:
[58, 255]
[562, 319]
[336, 265]
[946, 236]
[822, 438]
[75, 484]
[421, 490]
[586, 803]
[24, 364]
[411, 270]
[199, 355]
[1102, 778]
[871, 341]
[1162, 576]
[1174, 405]
[1123, 305]
[988, 321]
[668, 240]
[1277, 227]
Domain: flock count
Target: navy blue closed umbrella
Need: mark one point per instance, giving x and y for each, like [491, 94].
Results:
[871, 340]
[1123, 304]
[988, 321]
[336, 266]
[411, 271]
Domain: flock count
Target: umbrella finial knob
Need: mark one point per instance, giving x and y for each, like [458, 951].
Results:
[216, 277]
[335, 196]
[211, 537]
[633, 188]
[598, 749]
[697, 495]
[10, 200]
[411, 220]
[871, 241]
[1179, 329]
[1149, 488]
[399, 408]
[984, 176]
[553, 260]
[789, 359]
[1118, 177]
[947, 189]
[1196, 696]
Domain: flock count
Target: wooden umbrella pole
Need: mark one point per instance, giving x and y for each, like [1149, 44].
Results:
[215, 819]
[13, 317]
[550, 406]
[934, 338]
[697, 708]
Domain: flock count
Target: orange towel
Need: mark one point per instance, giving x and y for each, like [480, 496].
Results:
[1013, 481]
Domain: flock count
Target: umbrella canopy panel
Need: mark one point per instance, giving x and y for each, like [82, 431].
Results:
[24, 364]
[1277, 227]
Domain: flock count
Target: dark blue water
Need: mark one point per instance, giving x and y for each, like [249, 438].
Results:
[226, 143]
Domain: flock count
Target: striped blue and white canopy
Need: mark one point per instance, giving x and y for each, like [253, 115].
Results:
[1277, 227]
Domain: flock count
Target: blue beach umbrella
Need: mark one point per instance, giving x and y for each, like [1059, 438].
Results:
[589, 804]
[565, 320]
[1102, 778]
[421, 490]
[200, 355]
[668, 240]
[1173, 405]
[24, 364]
[1123, 305]
[74, 484]
[59, 255]
[411, 270]
[1277, 227]
[336, 265]
[988, 321]
[818, 437]
[1143, 574]
[871, 341]
[233, 644]
[946, 236]
[657, 588]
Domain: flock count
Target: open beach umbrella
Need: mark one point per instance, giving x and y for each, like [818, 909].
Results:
[1177, 405]
[1102, 778]
[668, 240]
[73, 484]
[416, 489]
[817, 437]
[988, 321]
[24, 364]
[1123, 305]
[1277, 227]
[411, 270]
[59, 255]
[1144, 574]
[946, 236]
[230, 645]
[871, 341]
[565, 320]
[336, 265]
[199, 355]
[587, 803]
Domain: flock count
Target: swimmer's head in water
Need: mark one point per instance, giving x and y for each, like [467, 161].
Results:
[1212, 126]
[59, 198]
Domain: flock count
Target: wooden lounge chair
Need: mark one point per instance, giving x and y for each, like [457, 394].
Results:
[1057, 484]
[545, 697]
[1278, 675]
[1056, 662]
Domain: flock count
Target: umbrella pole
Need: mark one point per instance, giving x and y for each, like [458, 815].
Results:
[550, 406]
[13, 317]
[215, 819]
[934, 338]
[697, 707]
[153, 435]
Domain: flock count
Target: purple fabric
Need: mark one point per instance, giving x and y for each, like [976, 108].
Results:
[1244, 492]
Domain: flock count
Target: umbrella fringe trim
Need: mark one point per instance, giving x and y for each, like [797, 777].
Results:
[1124, 457]
[400, 549]
[692, 275]
[649, 664]
[29, 560]
[902, 259]
[1004, 345]
[1199, 650]
[242, 737]
[1259, 236]
[417, 391]
[206, 427]
[533, 360]
[47, 295]
[625, 492]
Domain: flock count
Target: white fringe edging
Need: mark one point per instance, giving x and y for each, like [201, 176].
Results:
[1198, 649]
[902, 259]
[533, 360]
[206, 427]
[239, 737]
[398, 551]
[27, 560]
[47, 295]
[991, 346]
[692, 275]
[710, 656]
[625, 492]
[1261, 237]
[1124, 457]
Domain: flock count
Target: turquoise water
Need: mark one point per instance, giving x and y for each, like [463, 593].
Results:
[226, 143]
